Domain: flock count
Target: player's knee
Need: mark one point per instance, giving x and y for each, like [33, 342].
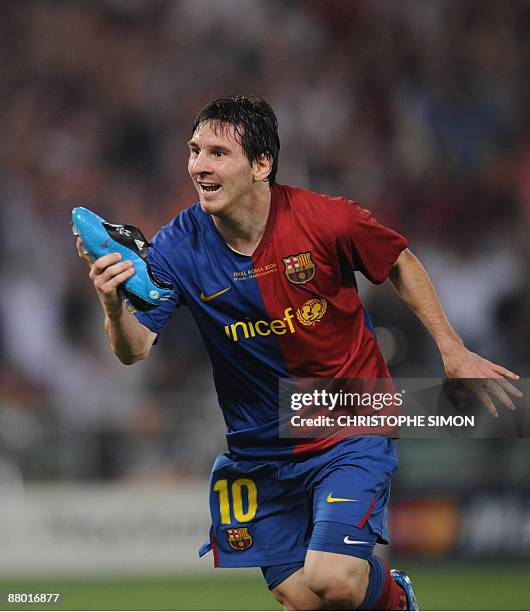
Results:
[338, 594]
[339, 585]
[297, 599]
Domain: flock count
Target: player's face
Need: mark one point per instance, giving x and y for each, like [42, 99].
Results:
[218, 167]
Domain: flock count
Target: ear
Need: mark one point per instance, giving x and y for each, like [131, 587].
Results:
[262, 167]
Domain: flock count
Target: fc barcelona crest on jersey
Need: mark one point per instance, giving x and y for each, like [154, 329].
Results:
[300, 268]
[240, 538]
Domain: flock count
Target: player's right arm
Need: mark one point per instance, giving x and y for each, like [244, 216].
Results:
[130, 340]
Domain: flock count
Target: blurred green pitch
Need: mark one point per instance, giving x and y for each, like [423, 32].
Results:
[440, 586]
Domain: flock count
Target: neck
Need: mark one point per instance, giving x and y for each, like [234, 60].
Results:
[244, 225]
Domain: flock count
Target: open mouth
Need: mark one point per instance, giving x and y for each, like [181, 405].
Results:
[210, 187]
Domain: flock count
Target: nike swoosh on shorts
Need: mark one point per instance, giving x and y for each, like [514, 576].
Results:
[330, 499]
[348, 541]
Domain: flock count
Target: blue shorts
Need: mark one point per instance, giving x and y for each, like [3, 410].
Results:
[263, 513]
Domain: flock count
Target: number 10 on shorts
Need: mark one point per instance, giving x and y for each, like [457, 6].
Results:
[236, 490]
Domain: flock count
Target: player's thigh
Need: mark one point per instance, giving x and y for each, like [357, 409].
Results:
[350, 497]
[258, 519]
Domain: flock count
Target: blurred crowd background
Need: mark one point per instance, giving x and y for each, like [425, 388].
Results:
[417, 109]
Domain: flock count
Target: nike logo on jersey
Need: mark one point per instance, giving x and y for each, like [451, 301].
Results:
[330, 499]
[348, 541]
[209, 298]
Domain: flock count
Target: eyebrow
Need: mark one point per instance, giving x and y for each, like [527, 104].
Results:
[193, 143]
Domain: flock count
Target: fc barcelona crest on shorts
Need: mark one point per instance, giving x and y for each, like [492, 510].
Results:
[240, 538]
[299, 269]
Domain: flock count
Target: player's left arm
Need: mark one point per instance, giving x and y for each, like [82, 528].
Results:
[415, 288]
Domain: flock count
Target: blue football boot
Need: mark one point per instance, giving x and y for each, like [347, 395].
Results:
[142, 289]
[406, 584]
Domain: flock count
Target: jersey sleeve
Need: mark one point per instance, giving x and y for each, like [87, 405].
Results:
[157, 318]
[365, 244]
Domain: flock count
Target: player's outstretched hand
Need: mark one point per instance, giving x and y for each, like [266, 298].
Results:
[108, 273]
[485, 379]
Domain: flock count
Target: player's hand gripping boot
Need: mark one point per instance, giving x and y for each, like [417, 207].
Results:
[143, 290]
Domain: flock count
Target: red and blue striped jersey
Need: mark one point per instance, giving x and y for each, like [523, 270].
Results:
[289, 310]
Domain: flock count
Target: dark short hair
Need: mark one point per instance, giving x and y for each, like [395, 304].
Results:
[255, 124]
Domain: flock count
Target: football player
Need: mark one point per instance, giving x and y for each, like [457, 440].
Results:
[268, 272]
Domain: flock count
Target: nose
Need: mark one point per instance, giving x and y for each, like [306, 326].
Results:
[199, 165]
